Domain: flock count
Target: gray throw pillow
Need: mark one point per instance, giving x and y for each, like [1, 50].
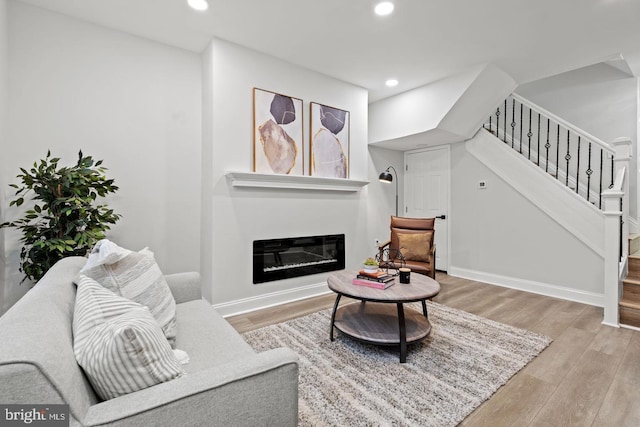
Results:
[118, 343]
[137, 276]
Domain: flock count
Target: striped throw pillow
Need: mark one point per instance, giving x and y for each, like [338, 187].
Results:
[137, 277]
[118, 343]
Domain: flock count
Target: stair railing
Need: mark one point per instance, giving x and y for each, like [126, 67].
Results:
[577, 159]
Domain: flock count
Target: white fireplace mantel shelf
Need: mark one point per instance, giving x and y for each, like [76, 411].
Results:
[260, 180]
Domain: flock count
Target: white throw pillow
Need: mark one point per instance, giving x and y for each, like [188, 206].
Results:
[136, 276]
[118, 343]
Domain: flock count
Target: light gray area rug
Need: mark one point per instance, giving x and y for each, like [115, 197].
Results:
[465, 359]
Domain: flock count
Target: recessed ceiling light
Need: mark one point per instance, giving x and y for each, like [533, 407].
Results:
[200, 5]
[384, 8]
[391, 83]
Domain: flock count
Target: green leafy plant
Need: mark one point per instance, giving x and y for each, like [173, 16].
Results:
[371, 262]
[65, 219]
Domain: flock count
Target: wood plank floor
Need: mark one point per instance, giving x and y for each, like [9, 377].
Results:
[589, 375]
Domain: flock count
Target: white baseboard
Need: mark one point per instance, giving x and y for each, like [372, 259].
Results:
[546, 289]
[259, 302]
[246, 305]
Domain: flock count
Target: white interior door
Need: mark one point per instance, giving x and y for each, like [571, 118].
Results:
[427, 194]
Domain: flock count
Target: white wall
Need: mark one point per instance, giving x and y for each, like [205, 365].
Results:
[132, 102]
[239, 216]
[4, 77]
[417, 110]
[381, 197]
[600, 99]
[446, 111]
[498, 236]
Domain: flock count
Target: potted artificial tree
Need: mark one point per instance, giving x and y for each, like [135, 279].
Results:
[64, 219]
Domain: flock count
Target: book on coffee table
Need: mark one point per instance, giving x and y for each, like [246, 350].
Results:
[377, 273]
[381, 276]
[372, 283]
[382, 279]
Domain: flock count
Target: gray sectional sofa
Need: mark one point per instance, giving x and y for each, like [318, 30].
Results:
[227, 382]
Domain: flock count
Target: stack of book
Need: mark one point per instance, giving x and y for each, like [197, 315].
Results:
[378, 280]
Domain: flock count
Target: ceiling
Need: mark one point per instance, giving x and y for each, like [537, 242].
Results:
[422, 41]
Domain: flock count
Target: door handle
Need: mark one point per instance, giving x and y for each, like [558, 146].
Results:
[441, 217]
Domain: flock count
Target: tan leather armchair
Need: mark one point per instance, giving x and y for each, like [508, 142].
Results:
[413, 238]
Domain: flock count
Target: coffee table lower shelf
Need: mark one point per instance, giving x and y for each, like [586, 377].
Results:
[379, 323]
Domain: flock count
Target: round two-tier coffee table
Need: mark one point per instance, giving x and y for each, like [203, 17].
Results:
[375, 319]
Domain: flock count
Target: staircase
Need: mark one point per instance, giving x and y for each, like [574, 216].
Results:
[585, 168]
[630, 301]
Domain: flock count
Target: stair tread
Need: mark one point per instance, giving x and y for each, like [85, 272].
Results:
[632, 281]
[635, 255]
[629, 304]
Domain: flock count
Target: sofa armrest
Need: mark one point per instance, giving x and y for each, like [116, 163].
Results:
[260, 389]
[184, 286]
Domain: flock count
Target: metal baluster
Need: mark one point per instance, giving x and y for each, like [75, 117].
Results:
[506, 113]
[521, 108]
[498, 122]
[620, 233]
[589, 172]
[601, 169]
[529, 135]
[612, 166]
[567, 157]
[547, 146]
[578, 167]
[513, 122]
[538, 163]
[557, 150]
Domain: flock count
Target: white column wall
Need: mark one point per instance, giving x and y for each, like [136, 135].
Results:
[238, 216]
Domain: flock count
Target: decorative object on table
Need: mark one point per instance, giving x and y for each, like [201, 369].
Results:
[387, 178]
[334, 375]
[413, 239]
[277, 133]
[329, 144]
[370, 265]
[405, 275]
[65, 219]
[390, 259]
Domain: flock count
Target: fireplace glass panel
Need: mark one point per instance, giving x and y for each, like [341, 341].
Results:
[278, 259]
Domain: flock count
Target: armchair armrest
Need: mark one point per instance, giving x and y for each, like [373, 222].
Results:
[184, 286]
[261, 389]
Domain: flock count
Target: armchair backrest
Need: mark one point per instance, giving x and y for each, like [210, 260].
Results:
[410, 226]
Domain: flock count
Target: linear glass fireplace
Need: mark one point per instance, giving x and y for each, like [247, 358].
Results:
[278, 259]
